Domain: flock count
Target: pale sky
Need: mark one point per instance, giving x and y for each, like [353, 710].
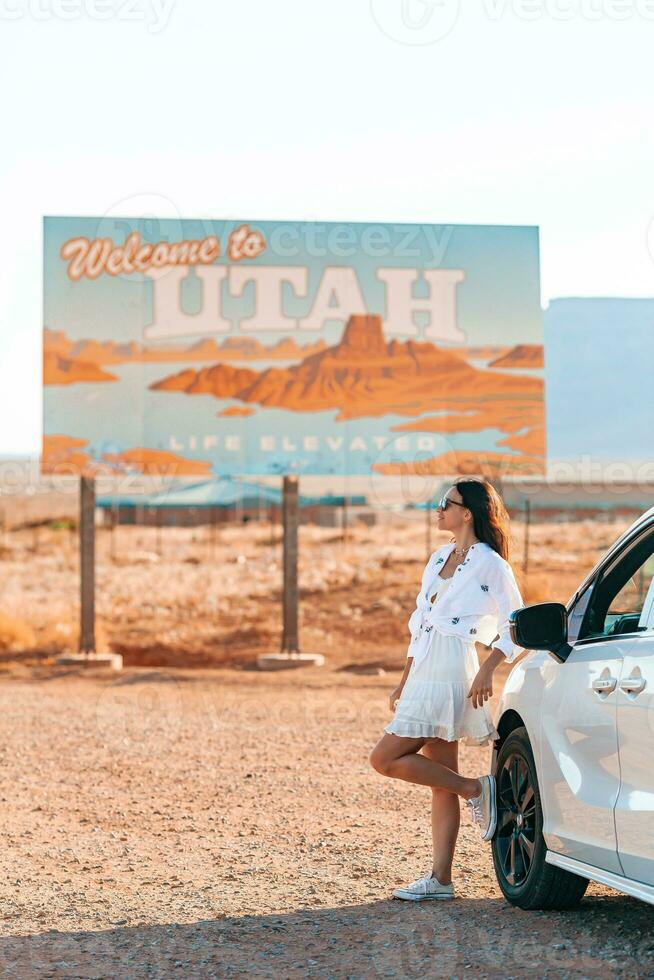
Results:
[493, 112]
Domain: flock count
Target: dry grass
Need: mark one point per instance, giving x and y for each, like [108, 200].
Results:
[197, 597]
[62, 634]
[16, 636]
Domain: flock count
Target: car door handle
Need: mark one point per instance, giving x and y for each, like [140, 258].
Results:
[604, 684]
[633, 684]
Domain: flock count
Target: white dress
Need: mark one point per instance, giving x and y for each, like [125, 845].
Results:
[434, 702]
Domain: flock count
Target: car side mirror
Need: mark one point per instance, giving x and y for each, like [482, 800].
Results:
[542, 626]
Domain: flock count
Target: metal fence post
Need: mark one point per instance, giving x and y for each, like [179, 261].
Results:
[290, 642]
[87, 564]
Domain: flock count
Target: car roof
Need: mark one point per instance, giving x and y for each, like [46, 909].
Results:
[644, 519]
[647, 517]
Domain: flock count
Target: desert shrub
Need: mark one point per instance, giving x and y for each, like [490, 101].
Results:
[15, 635]
[61, 635]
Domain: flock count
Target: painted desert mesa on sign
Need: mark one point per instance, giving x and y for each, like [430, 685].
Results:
[363, 376]
[521, 356]
[58, 370]
[366, 376]
[67, 456]
[66, 361]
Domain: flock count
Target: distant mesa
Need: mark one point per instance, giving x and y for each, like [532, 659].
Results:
[56, 342]
[521, 356]
[229, 381]
[100, 352]
[61, 443]
[97, 352]
[244, 346]
[531, 442]
[128, 351]
[157, 462]
[235, 411]
[65, 455]
[58, 370]
[521, 418]
[485, 352]
[288, 349]
[491, 465]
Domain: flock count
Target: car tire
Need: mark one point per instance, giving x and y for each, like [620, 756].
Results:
[518, 846]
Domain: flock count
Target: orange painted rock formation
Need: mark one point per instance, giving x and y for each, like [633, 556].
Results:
[65, 456]
[58, 370]
[158, 462]
[362, 375]
[521, 356]
[206, 349]
[235, 411]
[491, 465]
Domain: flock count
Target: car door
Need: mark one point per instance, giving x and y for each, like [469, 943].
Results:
[609, 634]
[580, 741]
[634, 811]
[579, 753]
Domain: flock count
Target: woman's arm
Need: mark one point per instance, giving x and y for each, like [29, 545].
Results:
[481, 688]
[398, 690]
[405, 672]
[507, 598]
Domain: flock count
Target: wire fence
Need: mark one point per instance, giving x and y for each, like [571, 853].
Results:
[211, 580]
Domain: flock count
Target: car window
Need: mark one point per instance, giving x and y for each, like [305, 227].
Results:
[620, 599]
[578, 611]
[647, 616]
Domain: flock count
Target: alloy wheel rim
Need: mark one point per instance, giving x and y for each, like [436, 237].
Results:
[516, 820]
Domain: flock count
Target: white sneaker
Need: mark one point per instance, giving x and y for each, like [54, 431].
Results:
[424, 889]
[483, 808]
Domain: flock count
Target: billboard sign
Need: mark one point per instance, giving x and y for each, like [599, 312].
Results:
[216, 348]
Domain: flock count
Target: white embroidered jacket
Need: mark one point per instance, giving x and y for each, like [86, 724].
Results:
[476, 604]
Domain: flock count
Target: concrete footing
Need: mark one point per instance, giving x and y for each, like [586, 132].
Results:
[113, 661]
[286, 661]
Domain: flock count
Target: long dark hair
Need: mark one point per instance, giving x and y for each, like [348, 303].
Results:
[490, 519]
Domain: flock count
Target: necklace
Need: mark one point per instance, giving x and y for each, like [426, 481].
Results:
[462, 551]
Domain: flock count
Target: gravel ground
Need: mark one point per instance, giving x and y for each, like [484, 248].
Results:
[226, 823]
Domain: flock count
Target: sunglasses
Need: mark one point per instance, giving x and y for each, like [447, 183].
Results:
[445, 502]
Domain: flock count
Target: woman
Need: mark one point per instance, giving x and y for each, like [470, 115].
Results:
[467, 593]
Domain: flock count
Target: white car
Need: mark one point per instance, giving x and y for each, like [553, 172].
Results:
[575, 759]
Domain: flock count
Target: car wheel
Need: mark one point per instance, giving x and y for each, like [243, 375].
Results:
[518, 846]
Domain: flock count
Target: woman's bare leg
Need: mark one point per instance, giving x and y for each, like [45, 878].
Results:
[445, 810]
[398, 757]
